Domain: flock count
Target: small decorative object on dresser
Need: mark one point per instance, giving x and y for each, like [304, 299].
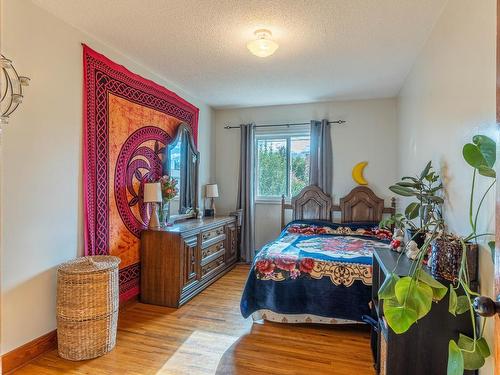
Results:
[211, 191]
[152, 194]
[168, 192]
[180, 261]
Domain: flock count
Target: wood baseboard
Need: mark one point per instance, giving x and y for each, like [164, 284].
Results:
[20, 356]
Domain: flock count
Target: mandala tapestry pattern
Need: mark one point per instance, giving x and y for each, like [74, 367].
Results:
[127, 122]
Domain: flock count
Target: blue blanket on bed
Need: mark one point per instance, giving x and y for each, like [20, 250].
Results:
[326, 271]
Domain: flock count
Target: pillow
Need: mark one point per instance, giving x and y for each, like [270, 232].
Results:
[360, 225]
[326, 223]
[311, 227]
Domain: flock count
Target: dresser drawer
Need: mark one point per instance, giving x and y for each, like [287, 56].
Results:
[212, 249]
[212, 266]
[212, 233]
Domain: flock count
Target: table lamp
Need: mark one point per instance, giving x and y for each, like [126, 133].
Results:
[211, 191]
[152, 195]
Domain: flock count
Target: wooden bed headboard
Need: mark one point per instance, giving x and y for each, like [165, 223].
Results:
[360, 205]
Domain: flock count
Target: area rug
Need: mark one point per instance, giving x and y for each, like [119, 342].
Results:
[127, 122]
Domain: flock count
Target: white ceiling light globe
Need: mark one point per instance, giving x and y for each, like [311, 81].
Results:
[263, 46]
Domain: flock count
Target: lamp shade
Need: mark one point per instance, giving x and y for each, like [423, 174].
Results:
[152, 192]
[212, 191]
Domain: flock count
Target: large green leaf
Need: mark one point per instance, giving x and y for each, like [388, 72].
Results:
[436, 188]
[473, 358]
[463, 304]
[399, 318]
[438, 289]
[426, 170]
[401, 190]
[455, 359]
[412, 210]
[483, 347]
[452, 306]
[415, 294]
[488, 148]
[473, 155]
[486, 171]
[407, 184]
[411, 178]
[386, 290]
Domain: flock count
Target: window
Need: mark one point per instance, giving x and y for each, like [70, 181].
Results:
[282, 165]
[175, 166]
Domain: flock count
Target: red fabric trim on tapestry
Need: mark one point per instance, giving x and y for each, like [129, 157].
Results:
[127, 122]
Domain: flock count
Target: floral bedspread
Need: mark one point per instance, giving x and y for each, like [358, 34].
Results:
[321, 270]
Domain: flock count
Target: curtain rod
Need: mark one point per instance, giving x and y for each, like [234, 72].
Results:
[339, 122]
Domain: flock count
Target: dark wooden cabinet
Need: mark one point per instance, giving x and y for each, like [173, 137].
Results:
[178, 262]
[423, 350]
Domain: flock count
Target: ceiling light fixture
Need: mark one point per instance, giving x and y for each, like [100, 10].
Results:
[263, 46]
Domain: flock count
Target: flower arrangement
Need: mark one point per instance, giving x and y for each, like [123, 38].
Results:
[168, 192]
[168, 188]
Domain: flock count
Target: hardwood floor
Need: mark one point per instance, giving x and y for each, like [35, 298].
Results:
[209, 336]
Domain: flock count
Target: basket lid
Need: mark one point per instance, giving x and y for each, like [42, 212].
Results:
[89, 264]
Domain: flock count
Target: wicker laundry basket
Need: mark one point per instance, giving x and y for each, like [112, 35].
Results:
[87, 307]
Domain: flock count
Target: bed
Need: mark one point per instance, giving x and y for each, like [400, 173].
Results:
[317, 270]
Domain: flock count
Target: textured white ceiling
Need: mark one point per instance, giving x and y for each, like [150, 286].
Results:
[329, 49]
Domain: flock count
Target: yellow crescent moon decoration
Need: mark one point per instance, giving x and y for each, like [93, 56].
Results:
[357, 173]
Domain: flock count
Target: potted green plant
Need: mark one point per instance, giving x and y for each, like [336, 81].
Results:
[469, 353]
[423, 214]
[408, 299]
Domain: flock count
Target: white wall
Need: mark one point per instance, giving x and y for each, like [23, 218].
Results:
[448, 97]
[41, 182]
[370, 134]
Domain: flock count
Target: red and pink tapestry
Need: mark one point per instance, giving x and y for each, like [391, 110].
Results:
[127, 121]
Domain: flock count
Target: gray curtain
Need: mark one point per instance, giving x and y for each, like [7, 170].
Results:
[321, 162]
[246, 192]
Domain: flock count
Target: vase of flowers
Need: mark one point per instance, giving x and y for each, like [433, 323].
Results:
[168, 192]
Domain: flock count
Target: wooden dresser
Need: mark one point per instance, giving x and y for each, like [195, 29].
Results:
[180, 261]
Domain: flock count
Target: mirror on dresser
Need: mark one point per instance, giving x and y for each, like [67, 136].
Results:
[181, 162]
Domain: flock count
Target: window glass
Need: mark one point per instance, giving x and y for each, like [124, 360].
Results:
[272, 167]
[299, 155]
[282, 165]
